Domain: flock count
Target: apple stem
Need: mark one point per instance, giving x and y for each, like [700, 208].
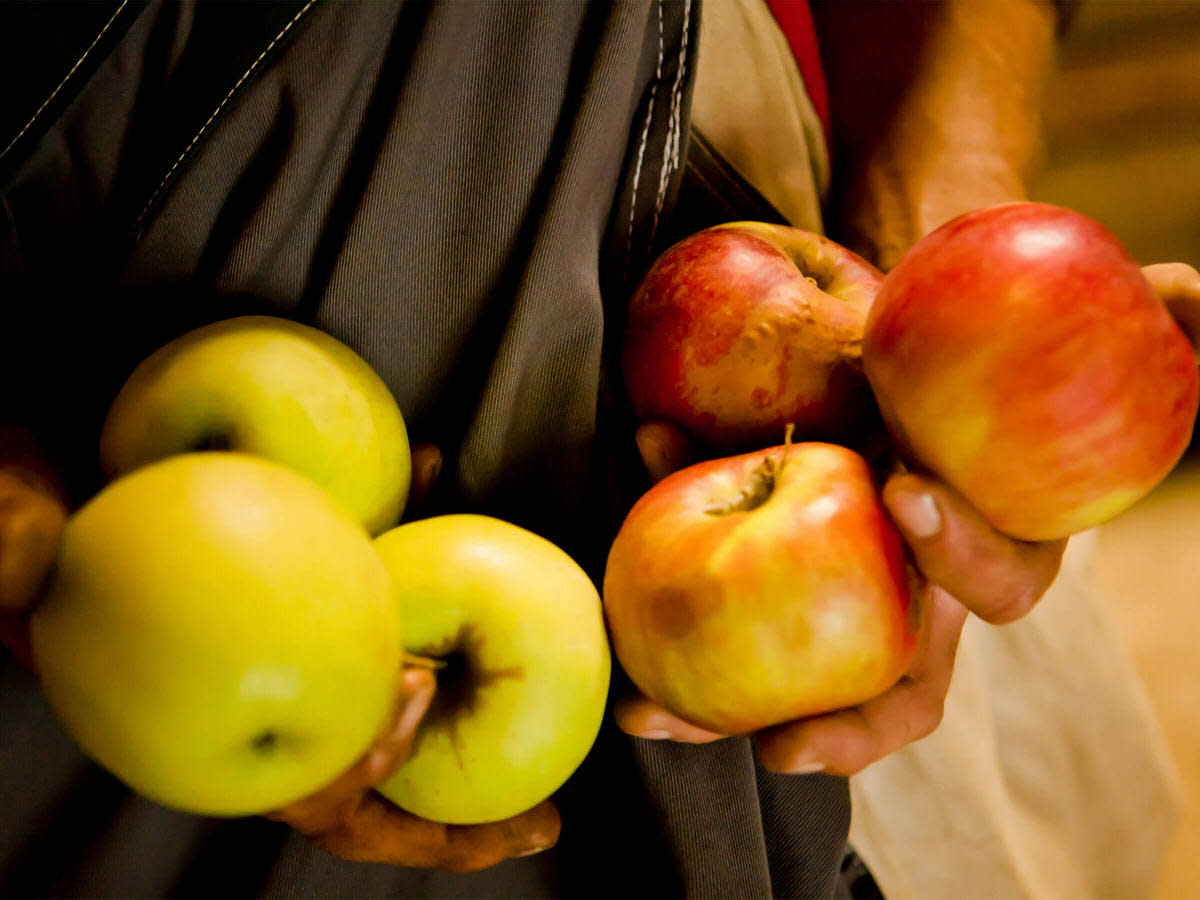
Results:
[423, 662]
[788, 430]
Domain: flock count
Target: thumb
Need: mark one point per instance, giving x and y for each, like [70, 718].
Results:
[1178, 284]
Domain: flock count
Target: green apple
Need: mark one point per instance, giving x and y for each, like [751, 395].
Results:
[276, 389]
[219, 633]
[519, 701]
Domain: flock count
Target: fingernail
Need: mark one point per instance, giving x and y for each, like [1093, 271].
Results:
[918, 513]
[377, 764]
[807, 768]
[539, 844]
[657, 735]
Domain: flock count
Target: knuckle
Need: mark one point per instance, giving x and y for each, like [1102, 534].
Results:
[1013, 604]
[928, 717]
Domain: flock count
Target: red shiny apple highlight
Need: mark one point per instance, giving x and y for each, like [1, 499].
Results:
[743, 328]
[752, 590]
[1019, 353]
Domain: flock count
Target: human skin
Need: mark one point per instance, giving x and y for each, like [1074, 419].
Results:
[347, 817]
[938, 113]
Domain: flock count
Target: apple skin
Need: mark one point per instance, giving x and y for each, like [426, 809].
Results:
[521, 702]
[743, 328]
[746, 618]
[276, 389]
[219, 634]
[1019, 353]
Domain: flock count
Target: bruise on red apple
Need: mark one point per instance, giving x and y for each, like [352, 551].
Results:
[756, 589]
[740, 329]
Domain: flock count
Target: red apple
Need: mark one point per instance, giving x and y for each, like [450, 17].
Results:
[743, 328]
[751, 590]
[1019, 353]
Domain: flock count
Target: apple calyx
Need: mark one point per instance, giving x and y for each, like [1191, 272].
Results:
[761, 485]
[265, 742]
[214, 439]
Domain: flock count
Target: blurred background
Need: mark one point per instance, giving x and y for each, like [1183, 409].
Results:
[1123, 146]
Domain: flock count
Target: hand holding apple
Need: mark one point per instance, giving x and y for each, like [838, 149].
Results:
[1020, 354]
[524, 666]
[345, 816]
[349, 819]
[754, 590]
[998, 577]
[744, 328]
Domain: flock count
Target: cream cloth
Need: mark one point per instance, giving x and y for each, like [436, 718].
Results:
[1049, 776]
[750, 103]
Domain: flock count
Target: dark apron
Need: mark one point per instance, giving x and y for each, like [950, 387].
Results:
[464, 193]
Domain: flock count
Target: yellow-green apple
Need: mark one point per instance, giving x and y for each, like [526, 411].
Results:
[519, 701]
[219, 633]
[273, 388]
[743, 328]
[1019, 353]
[751, 590]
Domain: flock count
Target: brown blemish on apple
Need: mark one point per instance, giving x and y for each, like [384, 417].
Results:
[674, 612]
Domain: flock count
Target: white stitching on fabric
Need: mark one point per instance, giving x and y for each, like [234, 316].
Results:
[137, 225]
[674, 126]
[54, 93]
[637, 172]
[678, 102]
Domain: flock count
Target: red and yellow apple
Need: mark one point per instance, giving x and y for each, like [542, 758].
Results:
[751, 590]
[744, 328]
[1019, 353]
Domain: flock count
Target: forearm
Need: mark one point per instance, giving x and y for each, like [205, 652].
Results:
[952, 127]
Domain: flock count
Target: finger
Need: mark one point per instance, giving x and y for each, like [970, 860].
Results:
[846, 742]
[382, 832]
[337, 801]
[664, 449]
[994, 576]
[426, 466]
[639, 716]
[31, 525]
[1178, 284]
[392, 747]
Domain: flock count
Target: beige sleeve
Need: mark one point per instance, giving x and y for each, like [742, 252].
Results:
[750, 104]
